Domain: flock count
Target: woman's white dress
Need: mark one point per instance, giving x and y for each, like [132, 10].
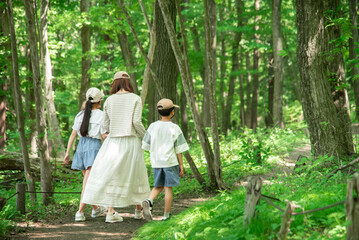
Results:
[118, 177]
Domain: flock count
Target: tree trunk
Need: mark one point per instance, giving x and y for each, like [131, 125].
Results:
[184, 115]
[210, 29]
[58, 145]
[328, 131]
[30, 108]
[269, 111]
[210, 55]
[188, 87]
[222, 69]
[151, 52]
[248, 111]
[353, 56]
[235, 67]
[3, 81]
[86, 48]
[255, 86]
[46, 178]
[278, 64]
[17, 100]
[164, 61]
[127, 56]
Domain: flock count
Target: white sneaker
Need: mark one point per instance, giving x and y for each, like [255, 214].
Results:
[138, 214]
[99, 212]
[147, 210]
[79, 217]
[113, 217]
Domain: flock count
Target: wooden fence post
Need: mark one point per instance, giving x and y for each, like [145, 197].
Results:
[286, 220]
[254, 189]
[20, 197]
[352, 208]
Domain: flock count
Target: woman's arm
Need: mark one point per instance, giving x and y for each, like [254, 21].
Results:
[137, 119]
[69, 144]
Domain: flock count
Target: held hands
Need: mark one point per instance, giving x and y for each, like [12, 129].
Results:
[181, 170]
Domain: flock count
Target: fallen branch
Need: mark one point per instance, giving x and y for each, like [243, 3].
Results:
[342, 168]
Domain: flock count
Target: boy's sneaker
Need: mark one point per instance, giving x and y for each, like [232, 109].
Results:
[113, 217]
[79, 217]
[138, 214]
[164, 218]
[147, 209]
[98, 212]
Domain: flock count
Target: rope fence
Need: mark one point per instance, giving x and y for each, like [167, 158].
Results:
[21, 198]
[254, 196]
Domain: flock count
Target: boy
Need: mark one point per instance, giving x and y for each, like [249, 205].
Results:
[166, 143]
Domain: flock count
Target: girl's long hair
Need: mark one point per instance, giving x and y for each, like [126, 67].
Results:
[84, 129]
[121, 83]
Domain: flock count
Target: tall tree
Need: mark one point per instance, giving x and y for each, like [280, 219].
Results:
[235, 68]
[164, 61]
[256, 56]
[46, 177]
[278, 64]
[210, 53]
[86, 48]
[58, 145]
[183, 65]
[10, 29]
[328, 131]
[353, 48]
[3, 81]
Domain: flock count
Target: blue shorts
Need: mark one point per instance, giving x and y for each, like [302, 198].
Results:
[86, 153]
[168, 177]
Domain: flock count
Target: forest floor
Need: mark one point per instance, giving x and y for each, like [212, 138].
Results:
[64, 227]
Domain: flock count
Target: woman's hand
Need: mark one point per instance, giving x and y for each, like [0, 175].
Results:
[181, 170]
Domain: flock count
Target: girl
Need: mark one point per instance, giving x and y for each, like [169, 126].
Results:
[119, 175]
[88, 125]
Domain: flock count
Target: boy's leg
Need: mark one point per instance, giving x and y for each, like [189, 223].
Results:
[168, 199]
[154, 193]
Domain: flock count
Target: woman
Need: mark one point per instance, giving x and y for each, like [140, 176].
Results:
[119, 175]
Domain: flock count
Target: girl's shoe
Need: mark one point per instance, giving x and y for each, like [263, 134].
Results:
[79, 217]
[164, 218]
[99, 212]
[113, 217]
[138, 214]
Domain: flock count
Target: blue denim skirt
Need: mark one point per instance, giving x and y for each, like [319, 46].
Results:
[86, 153]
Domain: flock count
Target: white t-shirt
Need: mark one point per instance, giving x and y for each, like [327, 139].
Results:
[164, 140]
[95, 126]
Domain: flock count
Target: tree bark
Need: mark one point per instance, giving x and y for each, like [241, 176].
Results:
[328, 131]
[3, 80]
[255, 86]
[353, 56]
[352, 208]
[164, 61]
[188, 87]
[278, 64]
[248, 110]
[86, 48]
[18, 102]
[46, 178]
[58, 144]
[269, 111]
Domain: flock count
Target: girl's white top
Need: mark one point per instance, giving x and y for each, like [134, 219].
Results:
[95, 126]
[122, 115]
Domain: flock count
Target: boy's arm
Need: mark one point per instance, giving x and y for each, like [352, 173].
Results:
[180, 161]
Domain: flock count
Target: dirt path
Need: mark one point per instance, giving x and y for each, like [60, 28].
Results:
[66, 228]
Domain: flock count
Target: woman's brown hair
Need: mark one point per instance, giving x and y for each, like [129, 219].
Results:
[121, 83]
